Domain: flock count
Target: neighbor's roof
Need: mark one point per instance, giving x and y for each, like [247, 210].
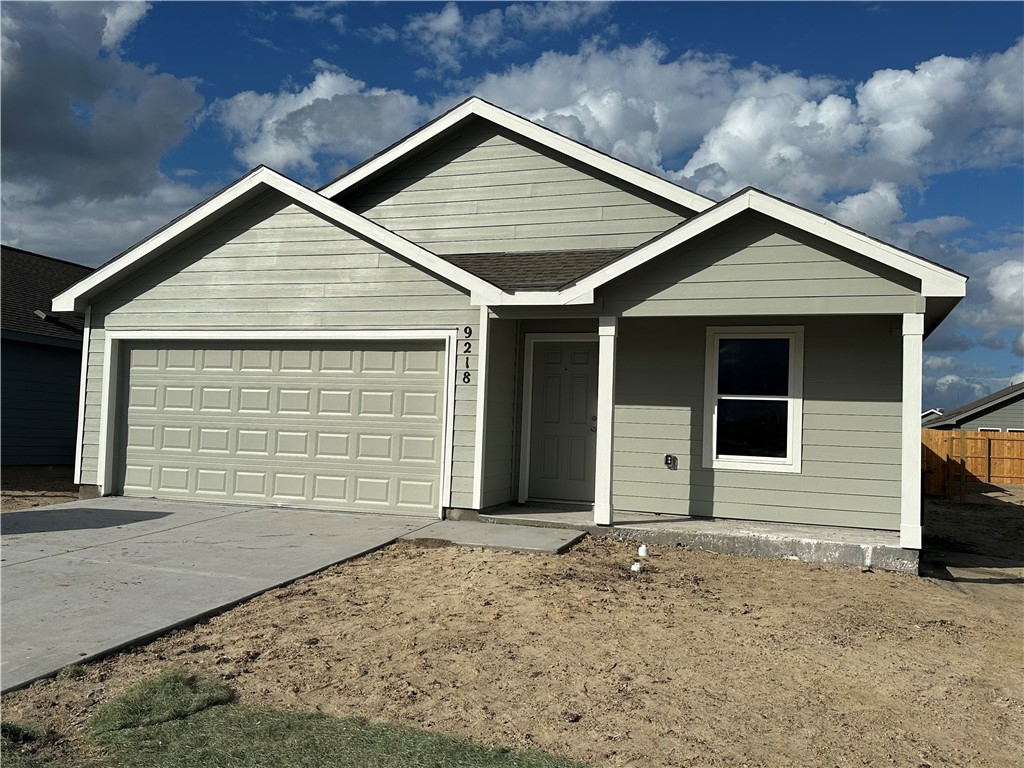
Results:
[981, 404]
[29, 281]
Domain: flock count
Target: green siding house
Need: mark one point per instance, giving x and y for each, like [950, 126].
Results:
[1001, 411]
[40, 360]
[488, 313]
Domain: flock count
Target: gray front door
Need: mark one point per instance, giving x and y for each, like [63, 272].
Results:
[563, 427]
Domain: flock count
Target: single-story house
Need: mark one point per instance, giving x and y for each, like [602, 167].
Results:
[40, 360]
[488, 312]
[1001, 411]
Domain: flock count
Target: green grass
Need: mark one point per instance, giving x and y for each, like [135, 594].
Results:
[17, 744]
[182, 721]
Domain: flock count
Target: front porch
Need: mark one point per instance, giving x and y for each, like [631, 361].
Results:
[833, 545]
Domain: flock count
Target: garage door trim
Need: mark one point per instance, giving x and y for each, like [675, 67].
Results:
[111, 363]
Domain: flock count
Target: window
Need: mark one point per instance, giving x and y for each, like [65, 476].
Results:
[989, 429]
[1014, 429]
[753, 398]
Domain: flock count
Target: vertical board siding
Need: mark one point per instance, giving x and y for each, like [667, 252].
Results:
[851, 434]
[756, 266]
[39, 389]
[483, 191]
[502, 411]
[276, 266]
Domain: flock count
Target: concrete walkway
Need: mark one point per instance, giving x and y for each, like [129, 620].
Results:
[81, 580]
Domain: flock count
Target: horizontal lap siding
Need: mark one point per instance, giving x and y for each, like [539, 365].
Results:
[851, 435]
[1008, 415]
[40, 403]
[756, 267]
[276, 266]
[485, 192]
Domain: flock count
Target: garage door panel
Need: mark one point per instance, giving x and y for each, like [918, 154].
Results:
[339, 427]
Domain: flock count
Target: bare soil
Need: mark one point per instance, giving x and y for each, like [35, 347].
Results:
[701, 660]
[27, 487]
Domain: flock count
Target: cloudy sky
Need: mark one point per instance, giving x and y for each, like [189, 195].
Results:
[903, 120]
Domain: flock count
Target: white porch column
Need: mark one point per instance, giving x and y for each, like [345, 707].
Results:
[480, 438]
[910, 481]
[606, 334]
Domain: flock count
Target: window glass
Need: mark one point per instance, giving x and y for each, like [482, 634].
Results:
[753, 367]
[753, 428]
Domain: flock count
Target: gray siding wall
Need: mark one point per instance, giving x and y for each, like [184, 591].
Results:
[851, 426]
[39, 391]
[277, 266]
[483, 191]
[500, 482]
[756, 266]
[1009, 415]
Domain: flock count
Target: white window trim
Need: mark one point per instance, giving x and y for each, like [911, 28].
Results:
[990, 429]
[793, 461]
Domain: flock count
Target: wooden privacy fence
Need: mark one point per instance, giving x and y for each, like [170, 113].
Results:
[951, 458]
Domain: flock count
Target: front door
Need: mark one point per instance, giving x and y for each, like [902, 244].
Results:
[563, 425]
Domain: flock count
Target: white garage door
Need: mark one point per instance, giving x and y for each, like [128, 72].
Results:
[342, 426]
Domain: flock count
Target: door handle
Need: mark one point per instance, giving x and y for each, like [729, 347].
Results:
[593, 429]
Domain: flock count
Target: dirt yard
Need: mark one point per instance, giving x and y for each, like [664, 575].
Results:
[27, 487]
[703, 660]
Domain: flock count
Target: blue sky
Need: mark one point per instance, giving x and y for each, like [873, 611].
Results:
[905, 120]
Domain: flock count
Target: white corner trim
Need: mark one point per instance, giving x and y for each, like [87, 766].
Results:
[794, 462]
[607, 333]
[113, 345]
[910, 458]
[80, 429]
[482, 357]
[530, 130]
[529, 341]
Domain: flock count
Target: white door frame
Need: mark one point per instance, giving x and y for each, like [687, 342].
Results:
[113, 345]
[531, 339]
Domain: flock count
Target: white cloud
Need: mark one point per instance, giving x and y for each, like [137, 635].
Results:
[1018, 345]
[78, 124]
[447, 36]
[121, 20]
[334, 117]
[91, 231]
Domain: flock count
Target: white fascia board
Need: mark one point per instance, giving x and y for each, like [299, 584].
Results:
[498, 298]
[543, 136]
[374, 232]
[75, 298]
[72, 300]
[645, 253]
[935, 280]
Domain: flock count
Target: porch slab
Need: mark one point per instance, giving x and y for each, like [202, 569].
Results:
[860, 548]
[515, 537]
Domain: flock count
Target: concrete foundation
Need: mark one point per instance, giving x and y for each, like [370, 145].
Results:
[860, 548]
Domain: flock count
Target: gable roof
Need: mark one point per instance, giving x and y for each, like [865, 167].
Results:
[964, 412]
[29, 283]
[936, 280]
[475, 107]
[232, 197]
[534, 270]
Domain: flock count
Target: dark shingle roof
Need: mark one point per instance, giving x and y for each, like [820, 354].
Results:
[29, 281]
[534, 270]
[952, 417]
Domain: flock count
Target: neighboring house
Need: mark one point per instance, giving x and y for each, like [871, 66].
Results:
[1002, 411]
[488, 312]
[40, 360]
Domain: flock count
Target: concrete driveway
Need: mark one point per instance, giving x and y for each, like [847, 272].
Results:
[80, 580]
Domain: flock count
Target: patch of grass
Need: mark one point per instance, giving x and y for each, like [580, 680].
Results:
[178, 721]
[71, 672]
[171, 696]
[242, 737]
[17, 743]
